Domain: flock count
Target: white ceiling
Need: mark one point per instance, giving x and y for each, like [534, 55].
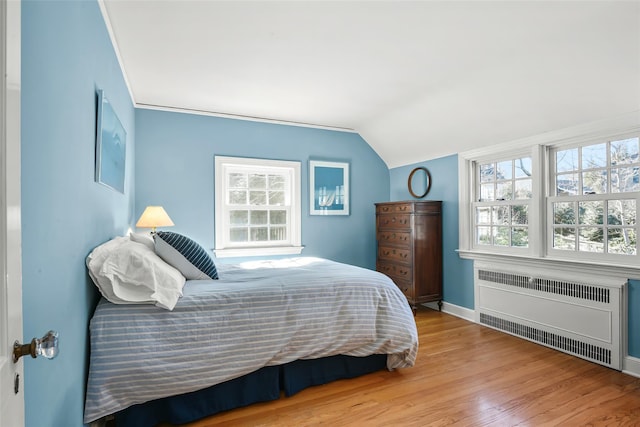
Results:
[416, 79]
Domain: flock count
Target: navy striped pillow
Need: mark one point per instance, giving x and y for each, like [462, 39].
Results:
[185, 255]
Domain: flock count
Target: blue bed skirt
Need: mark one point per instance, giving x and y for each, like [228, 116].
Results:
[260, 386]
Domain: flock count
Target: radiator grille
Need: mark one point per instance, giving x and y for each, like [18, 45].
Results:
[559, 342]
[558, 287]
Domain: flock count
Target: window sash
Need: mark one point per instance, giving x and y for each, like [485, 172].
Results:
[574, 232]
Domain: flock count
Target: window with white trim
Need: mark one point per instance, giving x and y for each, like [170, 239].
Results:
[594, 197]
[502, 201]
[257, 207]
[569, 196]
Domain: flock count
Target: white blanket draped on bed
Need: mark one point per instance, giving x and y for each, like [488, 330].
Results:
[257, 314]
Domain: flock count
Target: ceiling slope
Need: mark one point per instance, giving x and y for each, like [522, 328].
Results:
[417, 79]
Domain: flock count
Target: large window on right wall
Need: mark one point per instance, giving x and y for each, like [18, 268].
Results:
[592, 206]
[574, 198]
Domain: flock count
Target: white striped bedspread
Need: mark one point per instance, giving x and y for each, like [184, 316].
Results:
[257, 314]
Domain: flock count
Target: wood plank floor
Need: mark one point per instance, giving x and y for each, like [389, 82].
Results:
[465, 375]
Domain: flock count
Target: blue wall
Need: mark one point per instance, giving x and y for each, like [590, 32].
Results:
[174, 168]
[457, 273]
[66, 54]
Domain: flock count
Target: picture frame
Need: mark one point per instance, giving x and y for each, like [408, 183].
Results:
[111, 146]
[328, 188]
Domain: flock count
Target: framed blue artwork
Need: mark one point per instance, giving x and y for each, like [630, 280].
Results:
[111, 146]
[328, 188]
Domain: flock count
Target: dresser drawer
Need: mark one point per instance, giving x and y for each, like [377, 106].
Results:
[396, 238]
[405, 286]
[394, 208]
[387, 253]
[397, 271]
[395, 221]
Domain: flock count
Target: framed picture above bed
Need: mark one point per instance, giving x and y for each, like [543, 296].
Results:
[328, 188]
[111, 146]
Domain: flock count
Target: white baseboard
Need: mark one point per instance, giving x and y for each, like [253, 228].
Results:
[631, 366]
[455, 310]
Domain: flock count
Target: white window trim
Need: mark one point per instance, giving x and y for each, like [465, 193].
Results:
[223, 249]
[624, 124]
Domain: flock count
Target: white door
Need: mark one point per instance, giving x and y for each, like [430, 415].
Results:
[11, 403]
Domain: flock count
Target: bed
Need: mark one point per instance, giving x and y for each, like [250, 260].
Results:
[262, 327]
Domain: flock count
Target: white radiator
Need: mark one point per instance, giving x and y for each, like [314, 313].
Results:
[568, 311]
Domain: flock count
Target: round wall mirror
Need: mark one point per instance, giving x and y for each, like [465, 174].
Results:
[419, 182]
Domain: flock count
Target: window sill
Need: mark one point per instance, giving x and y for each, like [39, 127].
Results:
[244, 252]
[586, 267]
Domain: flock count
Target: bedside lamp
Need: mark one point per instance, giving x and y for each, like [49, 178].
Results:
[152, 217]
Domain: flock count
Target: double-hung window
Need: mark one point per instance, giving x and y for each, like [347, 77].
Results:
[593, 203]
[575, 198]
[257, 208]
[502, 201]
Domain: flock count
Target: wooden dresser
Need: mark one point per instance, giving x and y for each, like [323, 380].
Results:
[409, 236]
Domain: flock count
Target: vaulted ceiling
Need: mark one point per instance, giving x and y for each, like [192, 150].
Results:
[416, 79]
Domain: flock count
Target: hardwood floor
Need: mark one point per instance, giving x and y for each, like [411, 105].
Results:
[465, 375]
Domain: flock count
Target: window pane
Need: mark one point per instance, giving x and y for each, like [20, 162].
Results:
[564, 213]
[567, 184]
[276, 182]
[625, 151]
[622, 241]
[257, 181]
[486, 173]
[259, 217]
[564, 238]
[239, 217]
[594, 156]
[504, 170]
[501, 215]
[523, 189]
[501, 236]
[237, 180]
[621, 212]
[256, 202]
[523, 167]
[590, 213]
[567, 160]
[625, 179]
[276, 198]
[594, 182]
[591, 239]
[504, 190]
[239, 234]
[259, 234]
[257, 198]
[484, 235]
[278, 217]
[237, 197]
[486, 192]
[278, 233]
[520, 237]
[520, 214]
[483, 216]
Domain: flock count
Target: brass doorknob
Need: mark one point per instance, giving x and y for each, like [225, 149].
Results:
[47, 347]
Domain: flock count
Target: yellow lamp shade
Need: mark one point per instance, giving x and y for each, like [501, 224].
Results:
[154, 216]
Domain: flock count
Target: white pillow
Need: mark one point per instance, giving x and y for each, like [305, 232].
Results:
[127, 272]
[144, 238]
